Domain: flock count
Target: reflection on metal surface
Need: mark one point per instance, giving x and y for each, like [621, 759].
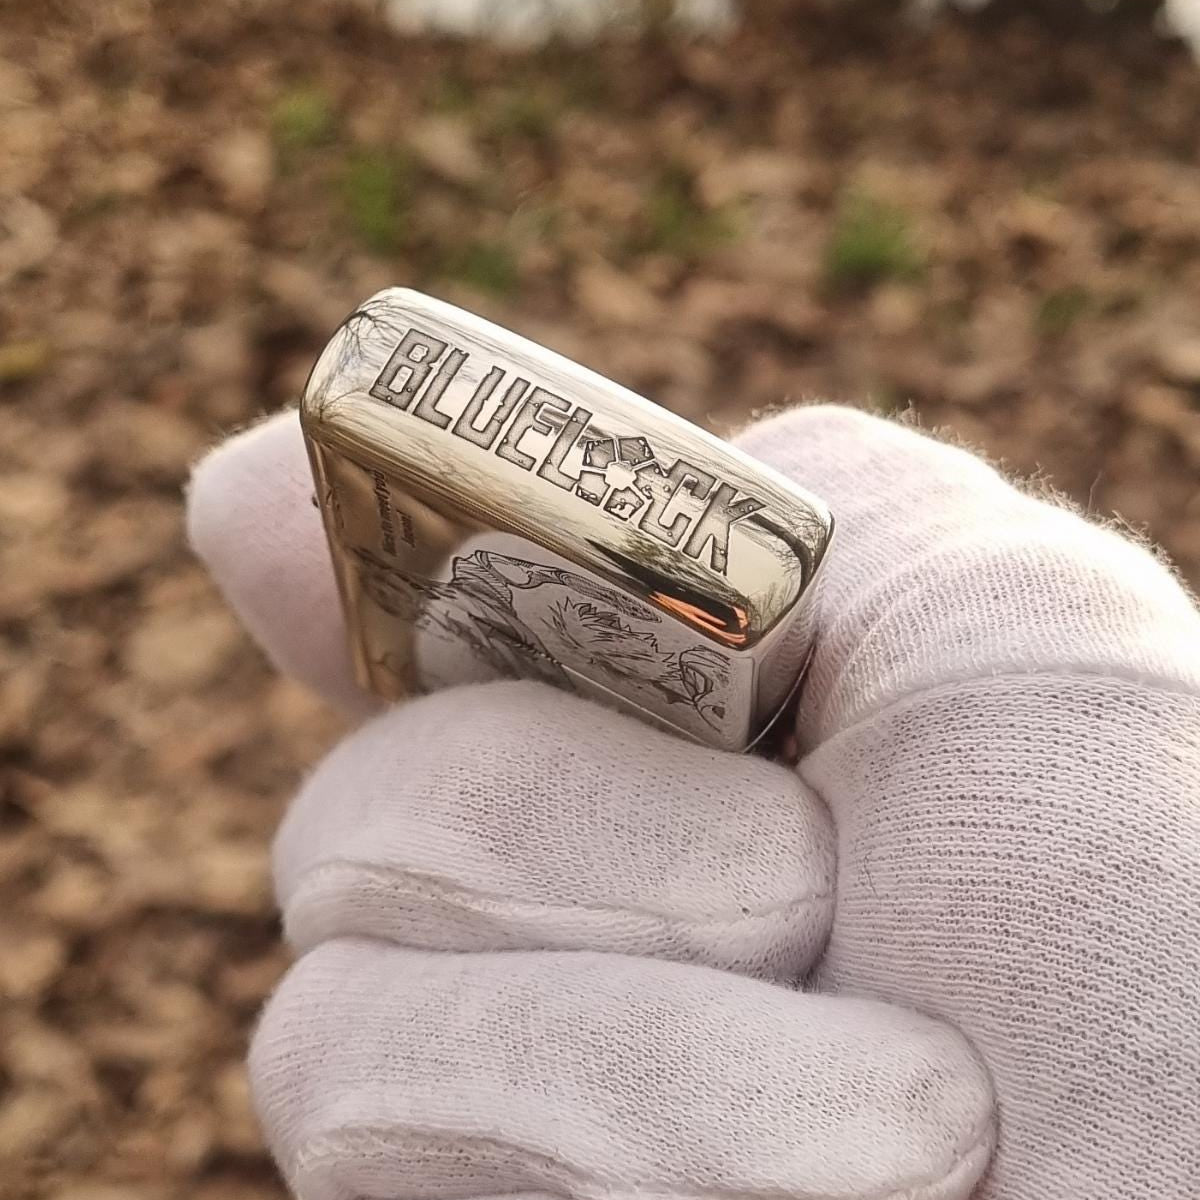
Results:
[495, 510]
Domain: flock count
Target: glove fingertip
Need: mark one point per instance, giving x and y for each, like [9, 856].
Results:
[253, 522]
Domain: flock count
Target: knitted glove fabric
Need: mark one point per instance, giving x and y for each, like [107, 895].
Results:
[546, 949]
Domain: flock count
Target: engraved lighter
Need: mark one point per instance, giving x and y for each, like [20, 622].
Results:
[495, 510]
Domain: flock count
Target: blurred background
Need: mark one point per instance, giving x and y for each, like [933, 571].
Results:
[991, 219]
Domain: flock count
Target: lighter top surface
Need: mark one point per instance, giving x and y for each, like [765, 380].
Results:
[514, 436]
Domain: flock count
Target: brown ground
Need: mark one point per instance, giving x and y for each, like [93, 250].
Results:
[996, 224]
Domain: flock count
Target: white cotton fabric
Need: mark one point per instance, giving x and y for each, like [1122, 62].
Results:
[1047, 903]
[253, 517]
[400, 834]
[550, 951]
[944, 571]
[598, 1075]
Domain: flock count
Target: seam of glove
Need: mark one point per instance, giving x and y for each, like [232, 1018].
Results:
[330, 1146]
[479, 900]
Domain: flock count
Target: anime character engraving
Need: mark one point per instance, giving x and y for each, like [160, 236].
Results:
[478, 607]
[686, 677]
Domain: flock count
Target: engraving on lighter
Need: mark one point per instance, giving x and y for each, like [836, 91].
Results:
[496, 511]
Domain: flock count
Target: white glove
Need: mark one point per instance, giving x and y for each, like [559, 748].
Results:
[548, 950]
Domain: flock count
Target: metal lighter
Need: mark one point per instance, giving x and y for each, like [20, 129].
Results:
[495, 510]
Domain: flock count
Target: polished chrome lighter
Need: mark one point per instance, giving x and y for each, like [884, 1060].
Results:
[495, 510]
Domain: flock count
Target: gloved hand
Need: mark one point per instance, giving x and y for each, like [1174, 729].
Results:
[548, 950]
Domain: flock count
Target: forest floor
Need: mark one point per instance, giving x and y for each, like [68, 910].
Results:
[992, 222]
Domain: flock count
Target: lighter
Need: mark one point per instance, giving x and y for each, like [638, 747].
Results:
[495, 510]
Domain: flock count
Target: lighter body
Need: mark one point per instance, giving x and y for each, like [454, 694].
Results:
[495, 510]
